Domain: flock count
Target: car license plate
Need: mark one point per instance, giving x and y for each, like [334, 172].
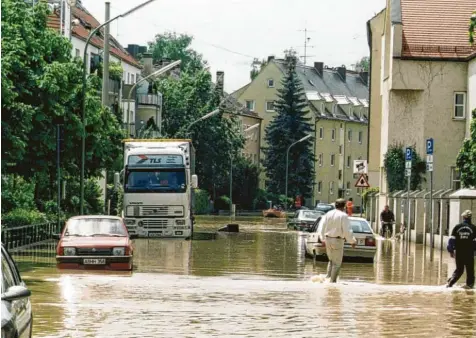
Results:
[361, 242]
[94, 261]
[155, 234]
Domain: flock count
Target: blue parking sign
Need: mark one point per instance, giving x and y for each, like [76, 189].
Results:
[408, 154]
[429, 146]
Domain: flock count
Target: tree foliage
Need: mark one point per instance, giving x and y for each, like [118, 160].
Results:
[256, 67]
[363, 63]
[394, 163]
[41, 87]
[466, 161]
[290, 124]
[245, 182]
[175, 46]
[216, 140]
[472, 27]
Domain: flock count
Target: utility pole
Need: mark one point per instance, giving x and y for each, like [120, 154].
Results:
[105, 63]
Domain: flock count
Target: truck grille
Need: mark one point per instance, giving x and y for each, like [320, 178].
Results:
[155, 223]
[93, 252]
[154, 211]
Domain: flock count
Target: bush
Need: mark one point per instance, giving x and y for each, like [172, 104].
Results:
[17, 193]
[260, 202]
[222, 203]
[19, 217]
[92, 196]
[202, 199]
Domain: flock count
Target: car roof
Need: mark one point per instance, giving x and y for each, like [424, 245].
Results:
[352, 218]
[95, 216]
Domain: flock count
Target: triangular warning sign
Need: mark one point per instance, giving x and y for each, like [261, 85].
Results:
[362, 182]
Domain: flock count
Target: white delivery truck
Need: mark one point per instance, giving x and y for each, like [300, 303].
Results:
[158, 179]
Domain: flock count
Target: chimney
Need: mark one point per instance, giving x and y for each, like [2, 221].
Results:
[319, 67]
[147, 60]
[220, 81]
[342, 72]
[364, 76]
[270, 58]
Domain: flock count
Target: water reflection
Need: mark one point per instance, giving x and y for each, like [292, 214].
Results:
[254, 283]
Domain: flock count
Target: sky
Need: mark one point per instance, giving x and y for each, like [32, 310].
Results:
[230, 33]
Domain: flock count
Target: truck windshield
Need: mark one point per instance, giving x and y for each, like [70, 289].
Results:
[158, 180]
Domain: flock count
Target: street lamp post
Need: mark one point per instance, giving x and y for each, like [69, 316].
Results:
[231, 167]
[83, 94]
[156, 73]
[287, 166]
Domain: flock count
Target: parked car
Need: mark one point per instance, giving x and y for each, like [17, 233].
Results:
[17, 316]
[324, 207]
[92, 242]
[365, 247]
[303, 220]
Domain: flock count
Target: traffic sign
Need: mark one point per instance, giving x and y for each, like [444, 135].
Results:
[362, 182]
[408, 172]
[429, 146]
[429, 166]
[408, 154]
[408, 164]
[429, 158]
[360, 167]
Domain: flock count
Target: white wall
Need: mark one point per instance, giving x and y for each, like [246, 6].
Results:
[471, 94]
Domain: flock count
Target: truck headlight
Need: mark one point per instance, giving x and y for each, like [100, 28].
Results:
[180, 222]
[118, 251]
[69, 251]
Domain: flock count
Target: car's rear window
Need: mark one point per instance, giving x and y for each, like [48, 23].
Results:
[95, 226]
[311, 214]
[360, 227]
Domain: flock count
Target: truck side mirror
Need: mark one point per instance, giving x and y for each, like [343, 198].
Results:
[194, 181]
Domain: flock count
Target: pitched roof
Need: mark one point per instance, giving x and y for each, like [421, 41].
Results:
[81, 32]
[436, 28]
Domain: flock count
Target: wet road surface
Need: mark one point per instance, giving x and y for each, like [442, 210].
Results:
[252, 284]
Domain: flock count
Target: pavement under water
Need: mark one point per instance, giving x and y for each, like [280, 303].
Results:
[256, 283]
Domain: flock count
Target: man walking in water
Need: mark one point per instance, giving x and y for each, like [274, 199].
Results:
[334, 232]
[462, 241]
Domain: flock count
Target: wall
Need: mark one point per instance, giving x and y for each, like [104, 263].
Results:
[471, 92]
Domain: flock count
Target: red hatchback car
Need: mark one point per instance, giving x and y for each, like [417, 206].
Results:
[94, 242]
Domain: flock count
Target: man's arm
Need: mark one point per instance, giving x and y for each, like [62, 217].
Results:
[346, 230]
[452, 242]
[323, 229]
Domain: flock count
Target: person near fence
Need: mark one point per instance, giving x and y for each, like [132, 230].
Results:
[461, 246]
[335, 230]
[386, 219]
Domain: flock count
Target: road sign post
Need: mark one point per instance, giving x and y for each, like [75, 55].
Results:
[408, 174]
[430, 145]
[362, 182]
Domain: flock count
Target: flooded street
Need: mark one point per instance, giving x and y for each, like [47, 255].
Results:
[252, 284]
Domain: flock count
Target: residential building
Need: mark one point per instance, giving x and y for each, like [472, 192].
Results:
[246, 119]
[423, 83]
[338, 106]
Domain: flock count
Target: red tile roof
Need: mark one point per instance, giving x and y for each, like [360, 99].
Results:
[437, 28]
[82, 33]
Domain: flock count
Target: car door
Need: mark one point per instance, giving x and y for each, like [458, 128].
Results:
[21, 308]
[313, 233]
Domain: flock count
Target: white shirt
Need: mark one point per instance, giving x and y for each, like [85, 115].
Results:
[336, 224]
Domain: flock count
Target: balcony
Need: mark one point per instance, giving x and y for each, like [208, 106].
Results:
[149, 99]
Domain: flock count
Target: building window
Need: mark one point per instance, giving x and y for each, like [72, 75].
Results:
[331, 188]
[455, 178]
[321, 133]
[319, 187]
[340, 150]
[128, 78]
[340, 174]
[333, 134]
[270, 83]
[333, 159]
[460, 105]
[361, 136]
[348, 161]
[321, 159]
[270, 106]
[250, 105]
[349, 135]
[77, 53]
[348, 189]
[132, 78]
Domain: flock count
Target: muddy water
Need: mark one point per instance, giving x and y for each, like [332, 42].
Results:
[252, 284]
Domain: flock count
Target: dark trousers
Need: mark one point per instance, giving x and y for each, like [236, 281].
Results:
[464, 260]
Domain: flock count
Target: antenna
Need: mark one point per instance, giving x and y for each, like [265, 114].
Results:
[306, 41]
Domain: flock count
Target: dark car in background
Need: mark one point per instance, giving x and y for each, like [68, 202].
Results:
[324, 207]
[17, 316]
[303, 220]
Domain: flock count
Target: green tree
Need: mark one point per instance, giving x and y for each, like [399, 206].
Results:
[394, 163]
[364, 63]
[176, 47]
[472, 27]
[466, 161]
[245, 182]
[290, 124]
[216, 140]
[41, 86]
[256, 67]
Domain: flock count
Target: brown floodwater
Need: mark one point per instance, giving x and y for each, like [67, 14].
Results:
[256, 283]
